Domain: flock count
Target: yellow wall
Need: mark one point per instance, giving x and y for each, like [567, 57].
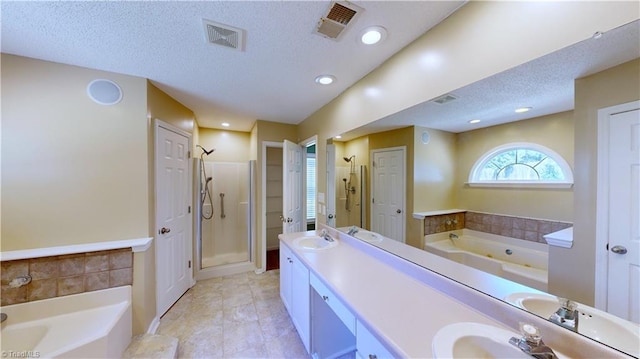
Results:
[572, 270]
[554, 132]
[73, 171]
[231, 146]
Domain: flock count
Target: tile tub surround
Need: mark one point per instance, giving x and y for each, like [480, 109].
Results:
[528, 229]
[57, 276]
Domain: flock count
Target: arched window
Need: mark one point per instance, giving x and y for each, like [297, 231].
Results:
[521, 165]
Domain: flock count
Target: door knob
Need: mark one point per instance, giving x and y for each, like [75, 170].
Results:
[289, 220]
[398, 211]
[330, 216]
[619, 250]
[165, 230]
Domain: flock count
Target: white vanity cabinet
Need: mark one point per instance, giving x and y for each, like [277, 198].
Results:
[294, 291]
[367, 346]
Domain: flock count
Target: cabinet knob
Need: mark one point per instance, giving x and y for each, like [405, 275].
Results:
[372, 356]
[325, 298]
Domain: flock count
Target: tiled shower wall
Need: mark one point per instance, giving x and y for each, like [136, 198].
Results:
[58, 276]
[528, 229]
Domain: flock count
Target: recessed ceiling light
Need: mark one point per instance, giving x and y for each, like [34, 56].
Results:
[338, 137]
[373, 35]
[325, 79]
[523, 109]
[474, 121]
[225, 124]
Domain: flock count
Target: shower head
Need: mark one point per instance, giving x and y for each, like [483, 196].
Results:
[205, 151]
[348, 159]
[208, 180]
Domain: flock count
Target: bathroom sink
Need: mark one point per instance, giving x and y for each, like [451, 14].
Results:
[315, 243]
[475, 340]
[368, 236]
[594, 323]
[21, 338]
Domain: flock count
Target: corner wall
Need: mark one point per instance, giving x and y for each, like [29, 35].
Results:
[572, 270]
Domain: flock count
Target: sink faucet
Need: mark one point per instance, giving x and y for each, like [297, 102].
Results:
[531, 343]
[353, 230]
[324, 234]
[567, 315]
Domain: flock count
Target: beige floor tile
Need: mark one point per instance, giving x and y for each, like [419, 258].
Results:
[237, 316]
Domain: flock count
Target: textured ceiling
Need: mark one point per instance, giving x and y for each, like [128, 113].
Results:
[545, 84]
[273, 79]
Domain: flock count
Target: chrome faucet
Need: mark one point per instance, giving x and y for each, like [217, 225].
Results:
[353, 230]
[324, 234]
[531, 343]
[567, 315]
[453, 236]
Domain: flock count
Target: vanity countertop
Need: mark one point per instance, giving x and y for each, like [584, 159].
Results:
[404, 304]
[403, 312]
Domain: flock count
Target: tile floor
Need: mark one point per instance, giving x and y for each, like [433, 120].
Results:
[238, 316]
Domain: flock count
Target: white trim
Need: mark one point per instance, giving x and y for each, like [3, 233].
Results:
[422, 215]
[404, 184]
[137, 245]
[602, 201]
[520, 184]
[153, 326]
[562, 238]
[263, 200]
[313, 140]
[480, 163]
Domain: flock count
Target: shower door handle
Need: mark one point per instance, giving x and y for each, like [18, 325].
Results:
[222, 215]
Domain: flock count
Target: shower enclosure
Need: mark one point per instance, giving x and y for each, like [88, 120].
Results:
[224, 218]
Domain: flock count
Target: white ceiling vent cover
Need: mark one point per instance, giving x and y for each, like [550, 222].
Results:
[223, 35]
[338, 17]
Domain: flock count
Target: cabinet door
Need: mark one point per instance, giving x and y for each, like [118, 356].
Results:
[285, 276]
[368, 346]
[300, 300]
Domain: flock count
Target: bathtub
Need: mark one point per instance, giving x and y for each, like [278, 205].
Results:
[86, 325]
[526, 264]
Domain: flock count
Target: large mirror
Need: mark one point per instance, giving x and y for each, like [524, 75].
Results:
[563, 92]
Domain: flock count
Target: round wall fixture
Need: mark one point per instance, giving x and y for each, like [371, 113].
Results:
[425, 137]
[104, 92]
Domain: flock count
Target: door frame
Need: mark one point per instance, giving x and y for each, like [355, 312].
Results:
[602, 200]
[157, 123]
[404, 185]
[313, 140]
[263, 205]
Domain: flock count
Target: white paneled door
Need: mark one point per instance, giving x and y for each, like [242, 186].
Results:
[623, 298]
[173, 217]
[292, 219]
[388, 189]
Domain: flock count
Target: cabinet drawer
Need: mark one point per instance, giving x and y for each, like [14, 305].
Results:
[334, 303]
[368, 347]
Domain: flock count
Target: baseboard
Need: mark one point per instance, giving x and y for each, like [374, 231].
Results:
[153, 327]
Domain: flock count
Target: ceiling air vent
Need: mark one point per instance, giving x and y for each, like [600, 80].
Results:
[444, 99]
[223, 35]
[337, 18]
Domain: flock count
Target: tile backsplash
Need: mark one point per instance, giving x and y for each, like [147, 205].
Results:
[528, 229]
[58, 276]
